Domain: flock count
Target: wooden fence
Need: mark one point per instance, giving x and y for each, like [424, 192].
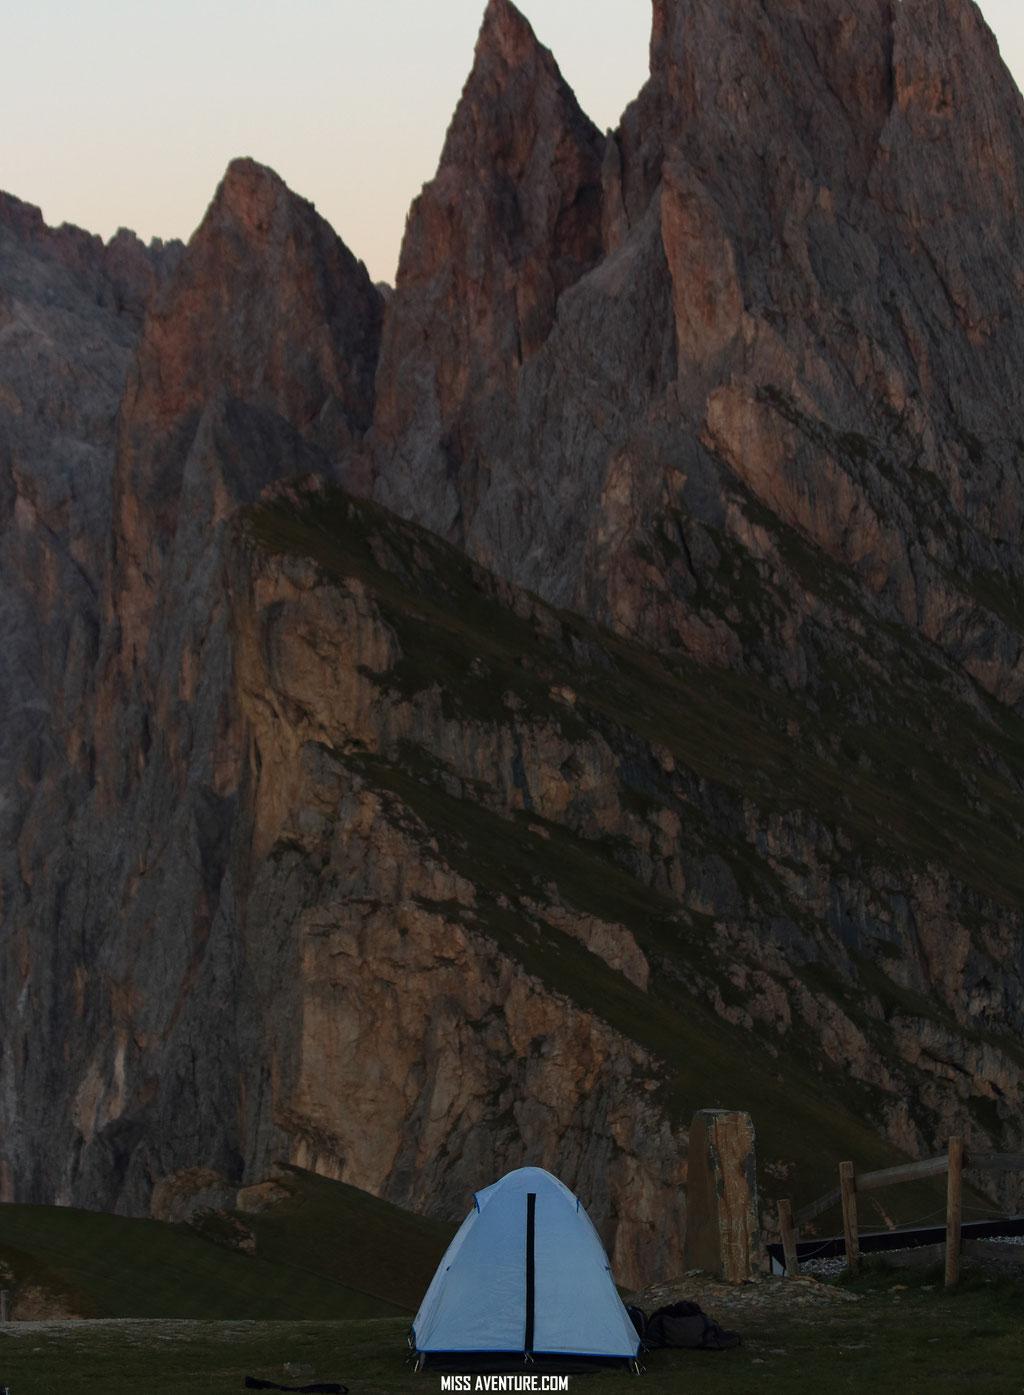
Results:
[953, 1162]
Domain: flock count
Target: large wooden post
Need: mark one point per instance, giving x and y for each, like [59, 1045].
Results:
[954, 1192]
[848, 1193]
[788, 1237]
[5, 1305]
[722, 1235]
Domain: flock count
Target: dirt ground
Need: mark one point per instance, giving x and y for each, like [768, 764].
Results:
[728, 1303]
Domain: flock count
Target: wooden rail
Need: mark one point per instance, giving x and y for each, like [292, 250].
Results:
[994, 1162]
[954, 1163]
[869, 1181]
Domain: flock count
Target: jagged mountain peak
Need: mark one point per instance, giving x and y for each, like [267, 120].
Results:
[255, 203]
[512, 219]
[124, 274]
[268, 305]
[253, 194]
[515, 104]
[799, 186]
[506, 32]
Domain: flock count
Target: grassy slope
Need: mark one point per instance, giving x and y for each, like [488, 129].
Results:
[352, 1238]
[893, 1341]
[905, 784]
[329, 1251]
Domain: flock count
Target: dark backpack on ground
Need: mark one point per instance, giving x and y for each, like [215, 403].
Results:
[685, 1324]
[638, 1318]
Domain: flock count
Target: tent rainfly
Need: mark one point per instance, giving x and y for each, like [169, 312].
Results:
[525, 1278]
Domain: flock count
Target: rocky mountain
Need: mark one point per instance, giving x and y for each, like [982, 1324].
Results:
[483, 728]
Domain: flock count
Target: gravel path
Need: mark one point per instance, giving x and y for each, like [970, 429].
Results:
[730, 1301]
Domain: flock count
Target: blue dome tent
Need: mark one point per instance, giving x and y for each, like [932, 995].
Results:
[525, 1279]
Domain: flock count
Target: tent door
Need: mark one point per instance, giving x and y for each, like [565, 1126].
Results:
[531, 1212]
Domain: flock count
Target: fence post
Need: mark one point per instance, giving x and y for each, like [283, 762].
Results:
[954, 1190]
[788, 1236]
[722, 1232]
[5, 1305]
[848, 1193]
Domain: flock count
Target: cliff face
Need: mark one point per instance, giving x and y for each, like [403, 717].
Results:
[803, 306]
[70, 313]
[736, 894]
[125, 856]
[482, 731]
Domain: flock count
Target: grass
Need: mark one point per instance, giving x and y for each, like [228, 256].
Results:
[903, 1336]
[168, 1358]
[328, 1251]
[352, 1238]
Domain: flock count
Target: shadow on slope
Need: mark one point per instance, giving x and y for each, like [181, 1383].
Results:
[328, 1251]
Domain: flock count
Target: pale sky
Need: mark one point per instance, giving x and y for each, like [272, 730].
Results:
[126, 112]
